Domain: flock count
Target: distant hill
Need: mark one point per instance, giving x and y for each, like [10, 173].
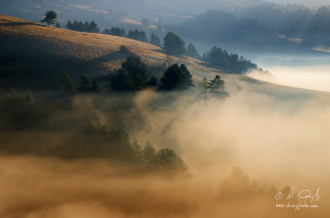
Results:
[250, 35]
[296, 22]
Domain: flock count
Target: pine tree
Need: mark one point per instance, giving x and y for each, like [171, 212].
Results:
[93, 28]
[192, 52]
[204, 86]
[29, 98]
[85, 84]
[153, 81]
[173, 44]
[121, 81]
[154, 40]
[95, 87]
[143, 37]
[149, 153]
[67, 86]
[132, 76]
[176, 77]
[217, 87]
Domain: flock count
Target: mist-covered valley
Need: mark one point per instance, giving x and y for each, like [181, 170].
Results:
[301, 71]
[240, 151]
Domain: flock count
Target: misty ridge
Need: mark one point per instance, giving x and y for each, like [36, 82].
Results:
[154, 109]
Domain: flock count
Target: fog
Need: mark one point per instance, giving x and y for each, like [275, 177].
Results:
[307, 72]
[275, 142]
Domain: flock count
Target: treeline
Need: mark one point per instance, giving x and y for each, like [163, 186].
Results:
[18, 111]
[174, 45]
[136, 34]
[68, 87]
[229, 63]
[295, 21]
[115, 143]
[134, 76]
[83, 27]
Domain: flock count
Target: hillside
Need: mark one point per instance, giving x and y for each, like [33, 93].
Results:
[45, 52]
[34, 55]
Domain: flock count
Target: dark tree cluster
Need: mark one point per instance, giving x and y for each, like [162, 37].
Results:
[83, 27]
[239, 187]
[18, 111]
[138, 35]
[174, 45]
[176, 78]
[132, 76]
[192, 51]
[115, 31]
[68, 87]
[115, 143]
[229, 63]
[154, 40]
[213, 88]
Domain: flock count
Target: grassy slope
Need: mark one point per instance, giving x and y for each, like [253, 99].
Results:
[39, 50]
[33, 51]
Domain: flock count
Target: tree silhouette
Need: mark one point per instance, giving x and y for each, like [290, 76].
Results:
[85, 84]
[50, 17]
[115, 31]
[192, 52]
[214, 88]
[153, 81]
[205, 87]
[169, 160]
[230, 63]
[217, 87]
[137, 35]
[154, 40]
[29, 98]
[132, 76]
[95, 87]
[149, 153]
[83, 27]
[176, 77]
[121, 81]
[173, 44]
[92, 28]
[67, 86]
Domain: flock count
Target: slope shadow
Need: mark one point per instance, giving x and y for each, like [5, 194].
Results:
[20, 24]
[123, 53]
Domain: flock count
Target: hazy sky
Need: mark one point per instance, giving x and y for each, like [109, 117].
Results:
[309, 3]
